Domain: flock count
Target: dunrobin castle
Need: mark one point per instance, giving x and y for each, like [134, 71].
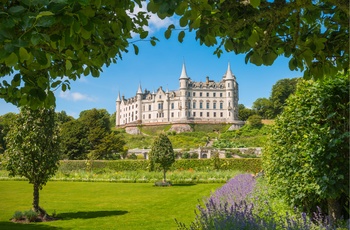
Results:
[194, 102]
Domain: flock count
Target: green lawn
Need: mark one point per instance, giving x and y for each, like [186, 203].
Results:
[102, 205]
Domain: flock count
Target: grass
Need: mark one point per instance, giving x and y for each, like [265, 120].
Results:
[92, 205]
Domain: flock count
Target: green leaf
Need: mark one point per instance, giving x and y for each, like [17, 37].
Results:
[167, 33]
[55, 84]
[35, 38]
[181, 36]
[143, 34]
[255, 3]
[23, 54]
[44, 13]
[11, 60]
[136, 49]
[253, 39]
[153, 42]
[68, 64]
[16, 9]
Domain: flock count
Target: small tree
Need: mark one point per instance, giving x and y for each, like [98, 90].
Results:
[306, 159]
[162, 153]
[255, 121]
[33, 149]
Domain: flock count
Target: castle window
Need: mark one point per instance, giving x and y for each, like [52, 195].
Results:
[160, 96]
[143, 117]
[220, 94]
[221, 105]
[214, 105]
[136, 105]
[172, 114]
[160, 105]
[201, 114]
[189, 114]
[214, 94]
[207, 94]
[157, 115]
[149, 107]
[194, 104]
[229, 94]
[221, 114]
[149, 116]
[189, 104]
[228, 84]
[194, 114]
[207, 105]
[200, 94]
[201, 105]
[214, 114]
[189, 94]
[194, 94]
[172, 105]
[207, 114]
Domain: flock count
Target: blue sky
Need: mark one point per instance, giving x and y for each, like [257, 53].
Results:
[161, 66]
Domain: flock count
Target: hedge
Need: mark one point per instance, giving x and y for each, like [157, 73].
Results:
[243, 164]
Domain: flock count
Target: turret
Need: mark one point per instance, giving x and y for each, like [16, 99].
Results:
[117, 114]
[231, 95]
[183, 92]
[139, 103]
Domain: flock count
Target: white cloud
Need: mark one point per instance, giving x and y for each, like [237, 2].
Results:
[154, 23]
[75, 96]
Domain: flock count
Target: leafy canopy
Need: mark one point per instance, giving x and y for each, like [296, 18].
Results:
[314, 34]
[162, 152]
[33, 146]
[306, 159]
[46, 43]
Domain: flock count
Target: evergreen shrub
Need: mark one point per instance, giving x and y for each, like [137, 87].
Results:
[244, 165]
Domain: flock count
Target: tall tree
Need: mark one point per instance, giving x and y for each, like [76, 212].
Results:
[244, 113]
[314, 35]
[280, 92]
[263, 107]
[5, 123]
[74, 143]
[162, 153]
[46, 43]
[33, 149]
[110, 145]
[306, 159]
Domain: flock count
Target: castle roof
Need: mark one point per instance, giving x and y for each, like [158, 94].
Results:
[229, 75]
[183, 72]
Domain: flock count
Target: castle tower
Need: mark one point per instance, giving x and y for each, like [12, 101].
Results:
[183, 92]
[231, 86]
[139, 104]
[117, 114]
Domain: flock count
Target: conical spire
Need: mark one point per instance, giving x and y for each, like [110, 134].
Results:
[139, 91]
[229, 74]
[118, 99]
[183, 72]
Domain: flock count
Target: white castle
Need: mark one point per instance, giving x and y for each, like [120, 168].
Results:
[193, 102]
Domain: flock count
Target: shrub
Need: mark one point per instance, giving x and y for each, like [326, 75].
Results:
[186, 155]
[31, 215]
[132, 156]
[194, 155]
[228, 154]
[18, 215]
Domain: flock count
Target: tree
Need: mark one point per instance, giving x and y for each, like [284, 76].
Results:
[244, 113]
[5, 123]
[74, 143]
[62, 117]
[162, 153]
[280, 92]
[110, 145]
[314, 35]
[255, 121]
[306, 159]
[46, 43]
[263, 107]
[33, 149]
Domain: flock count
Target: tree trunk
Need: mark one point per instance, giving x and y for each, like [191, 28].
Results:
[36, 197]
[164, 176]
[334, 209]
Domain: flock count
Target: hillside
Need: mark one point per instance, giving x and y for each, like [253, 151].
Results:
[216, 135]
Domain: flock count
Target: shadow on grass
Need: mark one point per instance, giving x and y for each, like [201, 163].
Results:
[183, 185]
[89, 215]
[20, 226]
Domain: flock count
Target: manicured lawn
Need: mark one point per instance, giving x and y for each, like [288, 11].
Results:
[102, 205]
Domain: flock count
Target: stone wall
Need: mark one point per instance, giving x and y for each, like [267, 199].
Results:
[133, 130]
[180, 128]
